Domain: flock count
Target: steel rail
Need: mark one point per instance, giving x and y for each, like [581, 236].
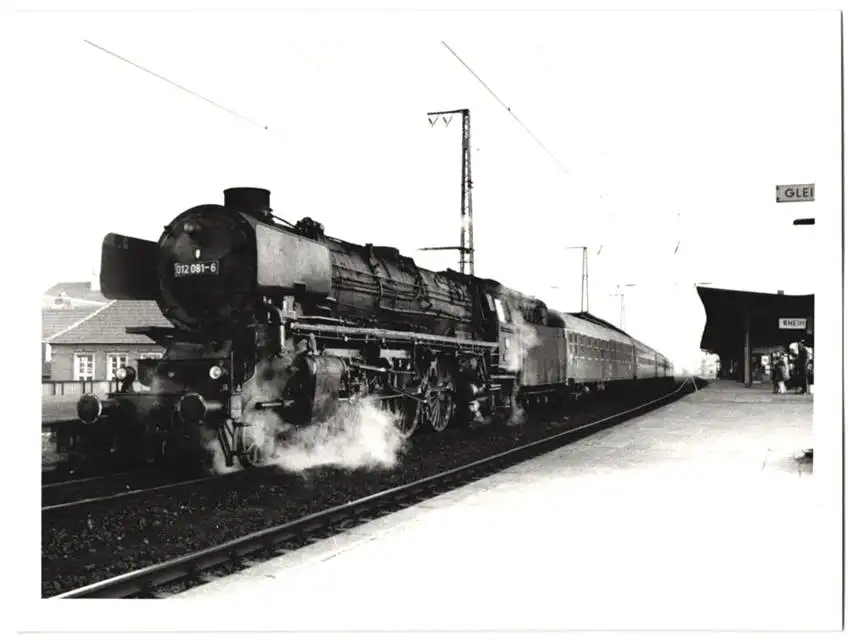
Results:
[85, 479]
[120, 495]
[190, 568]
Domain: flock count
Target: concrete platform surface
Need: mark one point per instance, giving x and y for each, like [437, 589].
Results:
[696, 516]
[58, 408]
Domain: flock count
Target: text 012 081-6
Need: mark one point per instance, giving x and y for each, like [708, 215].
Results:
[206, 268]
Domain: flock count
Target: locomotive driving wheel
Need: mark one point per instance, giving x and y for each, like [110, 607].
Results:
[409, 414]
[408, 411]
[439, 403]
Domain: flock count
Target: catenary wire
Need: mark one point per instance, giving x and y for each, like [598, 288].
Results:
[181, 87]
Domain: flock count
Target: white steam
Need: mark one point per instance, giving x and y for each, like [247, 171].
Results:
[358, 434]
[217, 463]
[526, 339]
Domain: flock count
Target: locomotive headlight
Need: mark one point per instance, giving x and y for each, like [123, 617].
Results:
[127, 376]
[216, 372]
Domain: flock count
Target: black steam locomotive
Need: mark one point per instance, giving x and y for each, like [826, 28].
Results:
[271, 317]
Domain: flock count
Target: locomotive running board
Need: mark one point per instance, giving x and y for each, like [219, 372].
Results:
[389, 334]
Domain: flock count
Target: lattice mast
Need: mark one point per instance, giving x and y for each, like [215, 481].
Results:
[466, 262]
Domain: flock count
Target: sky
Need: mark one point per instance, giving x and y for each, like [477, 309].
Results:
[667, 130]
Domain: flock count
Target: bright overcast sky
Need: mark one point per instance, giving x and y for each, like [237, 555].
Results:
[673, 128]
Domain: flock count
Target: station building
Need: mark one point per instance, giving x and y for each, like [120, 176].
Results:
[743, 328]
[93, 348]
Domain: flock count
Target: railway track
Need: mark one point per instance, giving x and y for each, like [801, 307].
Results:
[179, 574]
[57, 468]
[76, 493]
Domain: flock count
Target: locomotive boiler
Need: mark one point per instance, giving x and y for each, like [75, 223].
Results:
[273, 318]
[283, 321]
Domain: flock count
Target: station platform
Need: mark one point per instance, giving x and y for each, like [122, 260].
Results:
[699, 516]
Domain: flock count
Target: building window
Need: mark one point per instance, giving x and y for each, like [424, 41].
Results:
[83, 367]
[113, 363]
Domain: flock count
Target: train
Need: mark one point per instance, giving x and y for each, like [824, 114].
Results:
[277, 319]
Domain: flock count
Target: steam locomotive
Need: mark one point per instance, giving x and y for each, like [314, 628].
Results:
[270, 317]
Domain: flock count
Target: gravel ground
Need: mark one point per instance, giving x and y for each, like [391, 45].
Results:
[102, 540]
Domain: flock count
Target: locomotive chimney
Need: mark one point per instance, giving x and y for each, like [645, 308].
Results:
[249, 200]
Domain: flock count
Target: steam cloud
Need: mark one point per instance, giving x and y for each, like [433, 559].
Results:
[357, 435]
[527, 339]
[217, 463]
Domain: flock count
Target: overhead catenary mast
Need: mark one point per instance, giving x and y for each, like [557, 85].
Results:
[585, 291]
[466, 262]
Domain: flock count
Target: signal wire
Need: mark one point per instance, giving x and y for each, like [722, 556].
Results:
[181, 87]
[501, 102]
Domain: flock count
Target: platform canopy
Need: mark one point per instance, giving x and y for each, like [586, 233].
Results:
[774, 319]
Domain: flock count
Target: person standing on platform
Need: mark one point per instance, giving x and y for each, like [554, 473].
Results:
[803, 367]
[782, 372]
[774, 371]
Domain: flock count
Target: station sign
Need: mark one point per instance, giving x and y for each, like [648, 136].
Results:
[792, 323]
[795, 193]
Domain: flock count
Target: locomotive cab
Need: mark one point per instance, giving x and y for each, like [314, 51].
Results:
[497, 323]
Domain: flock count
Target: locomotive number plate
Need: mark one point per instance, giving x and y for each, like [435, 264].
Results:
[205, 268]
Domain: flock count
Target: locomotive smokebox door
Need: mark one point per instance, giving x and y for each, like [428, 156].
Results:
[128, 268]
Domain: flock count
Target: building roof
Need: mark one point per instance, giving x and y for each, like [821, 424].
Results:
[108, 324]
[727, 309]
[79, 292]
[64, 302]
[54, 321]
